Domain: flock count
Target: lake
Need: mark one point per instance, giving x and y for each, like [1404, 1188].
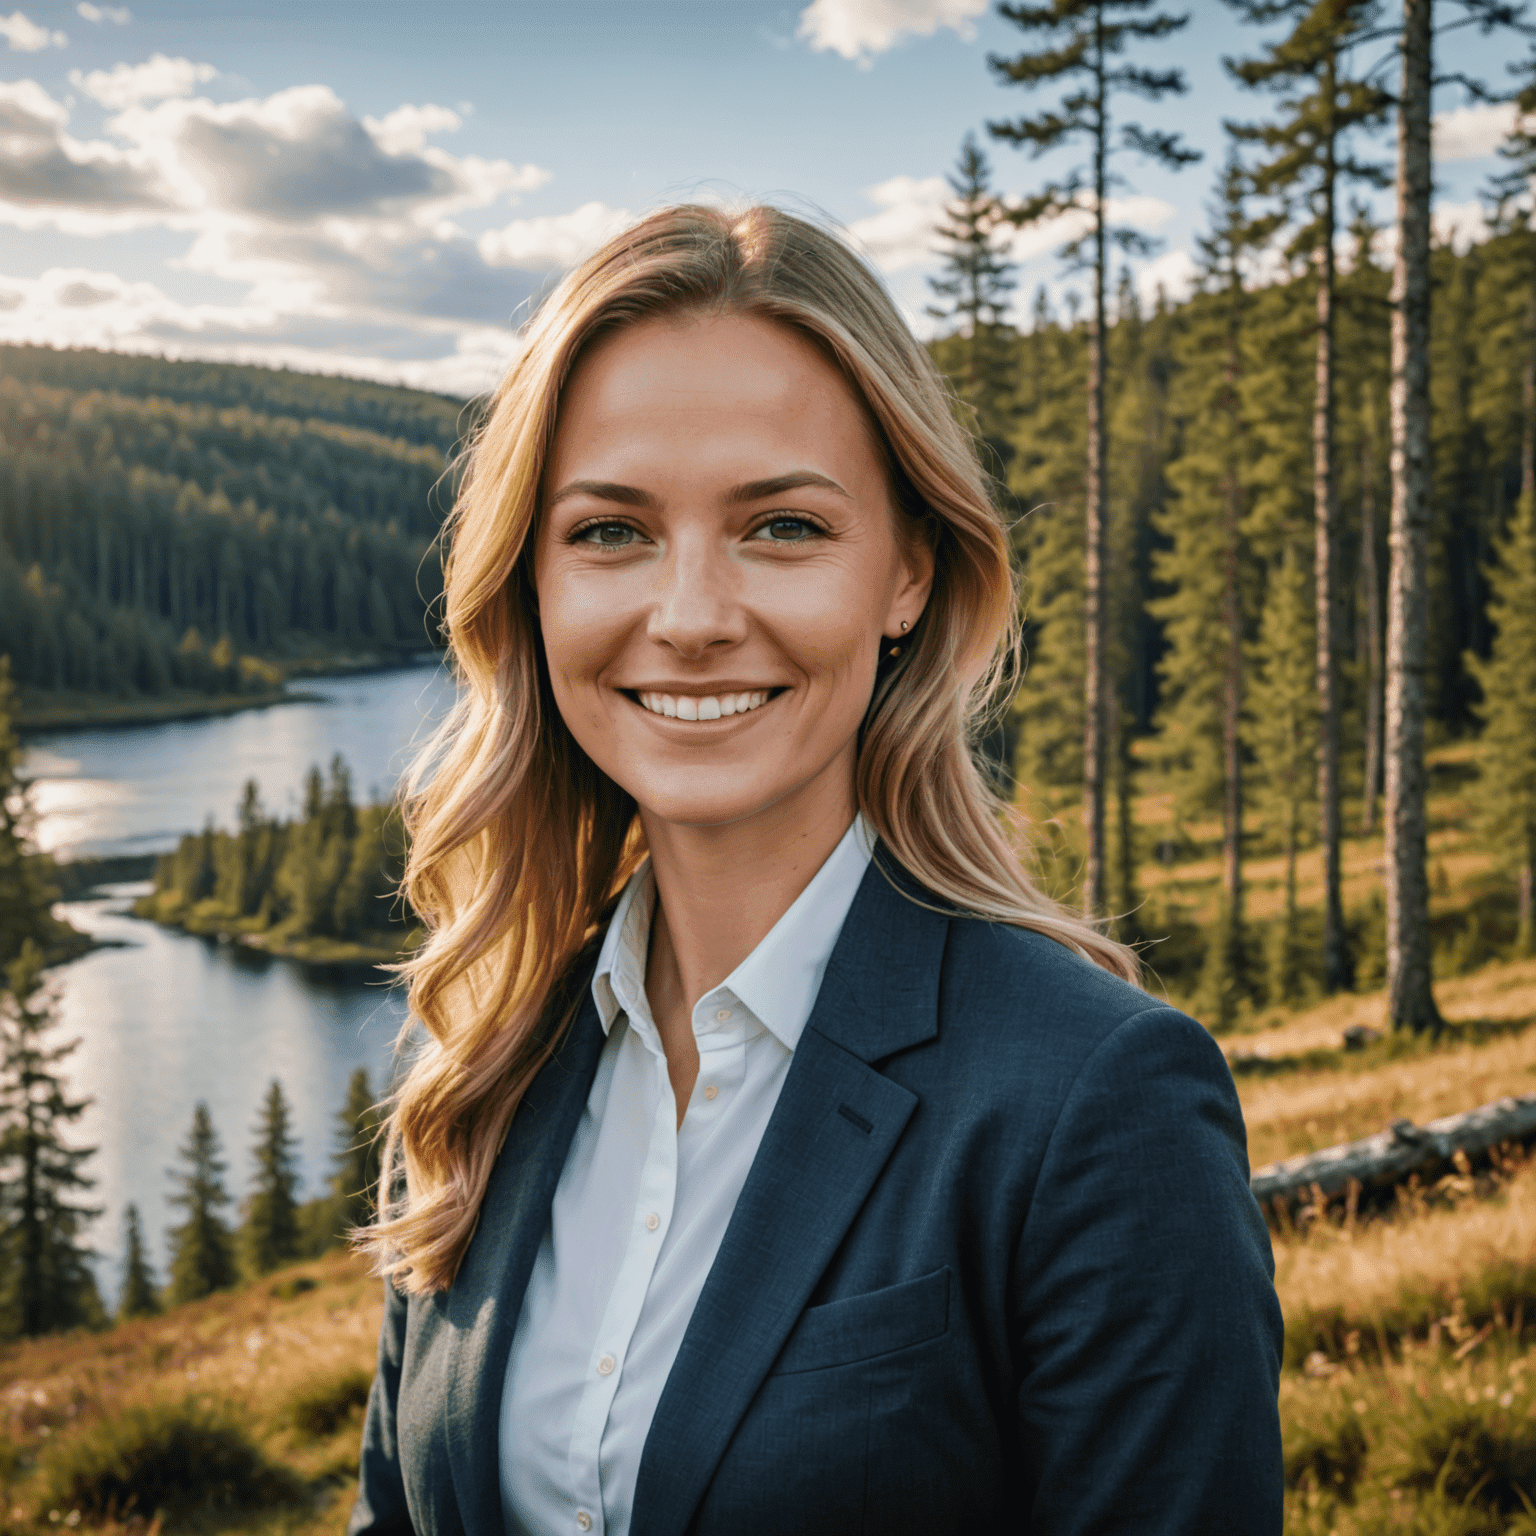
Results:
[165, 1019]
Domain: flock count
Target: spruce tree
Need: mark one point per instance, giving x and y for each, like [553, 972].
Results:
[356, 1160]
[974, 285]
[140, 1297]
[1282, 735]
[1085, 39]
[1507, 800]
[202, 1249]
[1207, 565]
[24, 893]
[49, 1284]
[272, 1219]
[1307, 159]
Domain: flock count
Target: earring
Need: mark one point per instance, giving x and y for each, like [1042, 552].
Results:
[903, 626]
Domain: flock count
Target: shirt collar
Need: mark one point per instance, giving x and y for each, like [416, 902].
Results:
[778, 982]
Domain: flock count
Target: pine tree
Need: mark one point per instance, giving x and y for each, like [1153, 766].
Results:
[1282, 735]
[202, 1249]
[1206, 564]
[1085, 38]
[24, 894]
[272, 1222]
[356, 1160]
[47, 1270]
[140, 1296]
[1508, 680]
[975, 283]
[1308, 159]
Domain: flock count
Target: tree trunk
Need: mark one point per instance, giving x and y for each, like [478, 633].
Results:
[1410, 997]
[1336, 967]
[1232, 710]
[1370, 580]
[1525, 935]
[1094, 691]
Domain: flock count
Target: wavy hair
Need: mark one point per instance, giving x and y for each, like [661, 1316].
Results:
[520, 845]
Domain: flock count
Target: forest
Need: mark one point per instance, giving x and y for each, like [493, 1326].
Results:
[188, 527]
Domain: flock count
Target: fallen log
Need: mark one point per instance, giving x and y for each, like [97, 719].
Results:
[1390, 1156]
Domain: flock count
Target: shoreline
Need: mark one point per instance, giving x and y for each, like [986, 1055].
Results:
[40, 715]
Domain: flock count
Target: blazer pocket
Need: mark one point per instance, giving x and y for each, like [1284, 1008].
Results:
[862, 1327]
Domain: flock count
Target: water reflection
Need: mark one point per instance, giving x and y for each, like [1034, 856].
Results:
[166, 1019]
[136, 789]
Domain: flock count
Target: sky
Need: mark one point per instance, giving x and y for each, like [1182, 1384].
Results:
[382, 189]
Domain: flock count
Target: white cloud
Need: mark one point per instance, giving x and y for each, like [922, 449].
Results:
[1175, 272]
[404, 131]
[552, 240]
[857, 29]
[25, 36]
[1469, 133]
[1460, 225]
[901, 234]
[128, 85]
[100, 13]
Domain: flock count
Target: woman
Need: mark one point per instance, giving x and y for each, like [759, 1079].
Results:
[780, 1159]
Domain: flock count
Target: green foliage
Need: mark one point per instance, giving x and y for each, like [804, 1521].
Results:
[1282, 736]
[974, 285]
[331, 874]
[324, 1407]
[140, 1296]
[202, 1249]
[272, 1224]
[1474, 1454]
[176, 1460]
[1507, 795]
[355, 1180]
[1330, 1456]
[47, 1280]
[25, 892]
[154, 538]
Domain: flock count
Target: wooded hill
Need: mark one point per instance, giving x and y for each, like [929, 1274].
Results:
[160, 520]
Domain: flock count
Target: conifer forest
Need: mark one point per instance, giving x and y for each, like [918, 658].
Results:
[1275, 728]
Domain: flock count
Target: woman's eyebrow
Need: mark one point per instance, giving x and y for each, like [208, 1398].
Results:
[603, 490]
[760, 490]
[751, 490]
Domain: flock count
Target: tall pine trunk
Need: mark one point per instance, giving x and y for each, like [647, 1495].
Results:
[1336, 966]
[1095, 615]
[1232, 615]
[1410, 996]
[1370, 581]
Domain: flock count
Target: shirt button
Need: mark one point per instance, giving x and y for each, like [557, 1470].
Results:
[605, 1368]
[721, 1015]
[652, 1222]
[711, 1091]
[583, 1520]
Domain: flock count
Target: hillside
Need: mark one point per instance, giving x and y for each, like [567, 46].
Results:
[192, 529]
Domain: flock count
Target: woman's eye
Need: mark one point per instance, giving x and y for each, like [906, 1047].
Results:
[608, 535]
[788, 530]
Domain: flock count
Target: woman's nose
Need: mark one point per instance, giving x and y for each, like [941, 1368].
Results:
[698, 604]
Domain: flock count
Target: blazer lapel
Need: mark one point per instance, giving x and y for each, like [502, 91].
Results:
[481, 1307]
[836, 1123]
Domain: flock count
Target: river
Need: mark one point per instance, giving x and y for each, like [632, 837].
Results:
[165, 1019]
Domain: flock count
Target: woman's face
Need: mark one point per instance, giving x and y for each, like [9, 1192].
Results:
[717, 567]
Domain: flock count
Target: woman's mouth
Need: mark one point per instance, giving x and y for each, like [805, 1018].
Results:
[709, 706]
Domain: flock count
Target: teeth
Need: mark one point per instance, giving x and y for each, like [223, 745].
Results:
[687, 707]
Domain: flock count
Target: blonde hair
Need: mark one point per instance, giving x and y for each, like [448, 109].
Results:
[519, 844]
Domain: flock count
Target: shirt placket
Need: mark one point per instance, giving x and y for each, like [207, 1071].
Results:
[649, 1223]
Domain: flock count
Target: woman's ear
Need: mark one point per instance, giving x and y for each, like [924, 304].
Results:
[916, 556]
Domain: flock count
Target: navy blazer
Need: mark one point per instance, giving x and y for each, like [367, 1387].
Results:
[996, 1266]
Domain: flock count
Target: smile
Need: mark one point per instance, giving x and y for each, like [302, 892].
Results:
[709, 707]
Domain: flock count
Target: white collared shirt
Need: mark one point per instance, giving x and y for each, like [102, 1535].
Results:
[643, 1203]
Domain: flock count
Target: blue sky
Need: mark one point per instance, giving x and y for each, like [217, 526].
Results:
[379, 188]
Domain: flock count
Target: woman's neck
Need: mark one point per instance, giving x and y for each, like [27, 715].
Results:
[719, 892]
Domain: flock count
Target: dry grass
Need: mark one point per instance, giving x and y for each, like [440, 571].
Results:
[261, 1350]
